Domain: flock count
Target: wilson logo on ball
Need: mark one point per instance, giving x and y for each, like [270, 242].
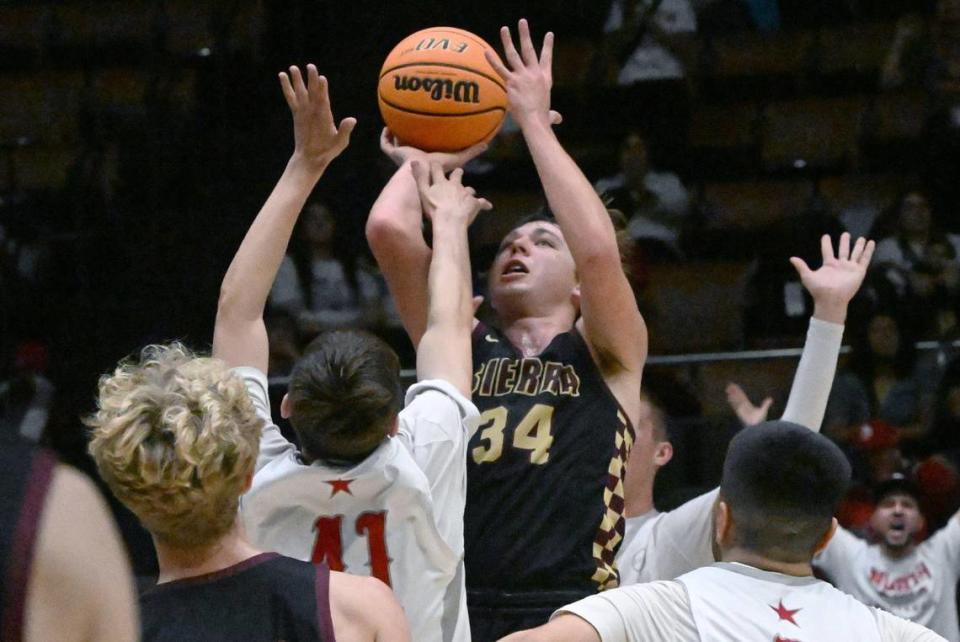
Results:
[440, 43]
[461, 91]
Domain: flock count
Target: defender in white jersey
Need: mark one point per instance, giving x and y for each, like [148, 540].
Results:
[781, 485]
[914, 581]
[372, 490]
[662, 546]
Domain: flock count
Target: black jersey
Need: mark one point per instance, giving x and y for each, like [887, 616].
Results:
[25, 475]
[544, 490]
[265, 598]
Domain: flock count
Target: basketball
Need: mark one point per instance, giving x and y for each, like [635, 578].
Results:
[437, 91]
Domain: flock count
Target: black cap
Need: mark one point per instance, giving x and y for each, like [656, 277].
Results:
[896, 483]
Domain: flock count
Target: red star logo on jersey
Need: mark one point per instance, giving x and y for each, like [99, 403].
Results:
[338, 485]
[780, 639]
[785, 614]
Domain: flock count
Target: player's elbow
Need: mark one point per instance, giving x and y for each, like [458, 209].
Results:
[384, 233]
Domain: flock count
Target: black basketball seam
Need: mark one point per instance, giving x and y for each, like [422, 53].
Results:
[426, 113]
[495, 81]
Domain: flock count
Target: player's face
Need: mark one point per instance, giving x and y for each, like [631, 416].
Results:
[896, 519]
[534, 263]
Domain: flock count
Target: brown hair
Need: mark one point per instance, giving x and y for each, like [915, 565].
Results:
[344, 395]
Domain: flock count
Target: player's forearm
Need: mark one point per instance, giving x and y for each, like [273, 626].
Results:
[810, 392]
[246, 286]
[444, 350]
[579, 211]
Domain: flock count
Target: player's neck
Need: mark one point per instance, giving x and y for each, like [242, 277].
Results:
[639, 496]
[179, 563]
[798, 569]
[532, 334]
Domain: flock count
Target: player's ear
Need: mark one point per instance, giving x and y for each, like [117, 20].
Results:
[664, 453]
[575, 296]
[394, 426]
[285, 407]
[248, 482]
[721, 523]
[826, 537]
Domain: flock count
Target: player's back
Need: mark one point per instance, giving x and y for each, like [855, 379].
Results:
[737, 603]
[267, 597]
[375, 518]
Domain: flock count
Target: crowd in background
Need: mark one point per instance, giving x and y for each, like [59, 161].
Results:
[129, 247]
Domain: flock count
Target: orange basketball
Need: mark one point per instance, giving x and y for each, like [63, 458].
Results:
[437, 91]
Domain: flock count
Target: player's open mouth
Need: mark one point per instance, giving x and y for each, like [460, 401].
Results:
[514, 267]
[898, 526]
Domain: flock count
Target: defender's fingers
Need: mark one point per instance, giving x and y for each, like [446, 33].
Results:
[867, 254]
[546, 54]
[436, 173]
[456, 176]
[857, 250]
[800, 266]
[421, 176]
[826, 248]
[345, 129]
[843, 252]
[288, 94]
[296, 78]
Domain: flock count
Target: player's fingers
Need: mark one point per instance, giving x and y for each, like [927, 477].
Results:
[287, 89]
[800, 266]
[485, 205]
[526, 43]
[345, 129]
[857, 250]
[320, 95]
[496, 63]
[296, 79]
[436, 173]
[734, 392]
[385, 143]
[477, 302]
[867, 253]
[826, 248]
[843, 252]
[471, 191]
[765, 406]
[471, 152]
[546, 55]
[555, 117]
[509, 50]
[421, 176]
[456, 176]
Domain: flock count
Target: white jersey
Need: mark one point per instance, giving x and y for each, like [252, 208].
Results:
[921, 586]
[738, 603]
[664, 546]
[397, 515]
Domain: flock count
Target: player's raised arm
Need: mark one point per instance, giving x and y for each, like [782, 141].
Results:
[612, 324]
[394, 229]
[240, 337]
[832, 286]
[444, 351]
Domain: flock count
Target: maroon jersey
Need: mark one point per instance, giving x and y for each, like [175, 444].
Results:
[544, 494]
[25, 475]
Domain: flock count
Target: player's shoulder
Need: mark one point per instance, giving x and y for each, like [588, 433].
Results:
[366, 603]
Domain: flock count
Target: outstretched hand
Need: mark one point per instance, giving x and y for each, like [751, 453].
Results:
[317, 141]
[528, 78]
[835, 283]
[747, 412]
[443, 197]
[448, 161]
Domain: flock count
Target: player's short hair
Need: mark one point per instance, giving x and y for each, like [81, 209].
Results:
[344, 394]
[618, 218]
[783, 483]
[176, 436]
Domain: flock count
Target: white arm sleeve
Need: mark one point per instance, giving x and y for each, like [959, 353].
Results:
[435, 427]
[811, 384]
[895, 629]
[273, 444]
[654, 611]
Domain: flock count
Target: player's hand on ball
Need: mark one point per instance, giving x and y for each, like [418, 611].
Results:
[529, 78]
[447, 198]
[834, 284]
[317, 141]
[448, 161]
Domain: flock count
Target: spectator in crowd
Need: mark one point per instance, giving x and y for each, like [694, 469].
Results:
[879, 382]
[653, 44]
[900, 574]
[322, 287]
[654, 202]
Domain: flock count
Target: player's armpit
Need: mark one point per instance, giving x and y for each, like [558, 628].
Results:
[565, 628]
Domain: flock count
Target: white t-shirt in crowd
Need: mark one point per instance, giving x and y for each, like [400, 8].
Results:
[651, 60]
[663, 546]
[397, 515]
[729, 602]
[921, 587]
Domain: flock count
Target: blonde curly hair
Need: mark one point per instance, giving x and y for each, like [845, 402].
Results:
[175, 437]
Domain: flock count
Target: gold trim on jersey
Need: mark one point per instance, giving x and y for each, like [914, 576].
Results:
[610, 532]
